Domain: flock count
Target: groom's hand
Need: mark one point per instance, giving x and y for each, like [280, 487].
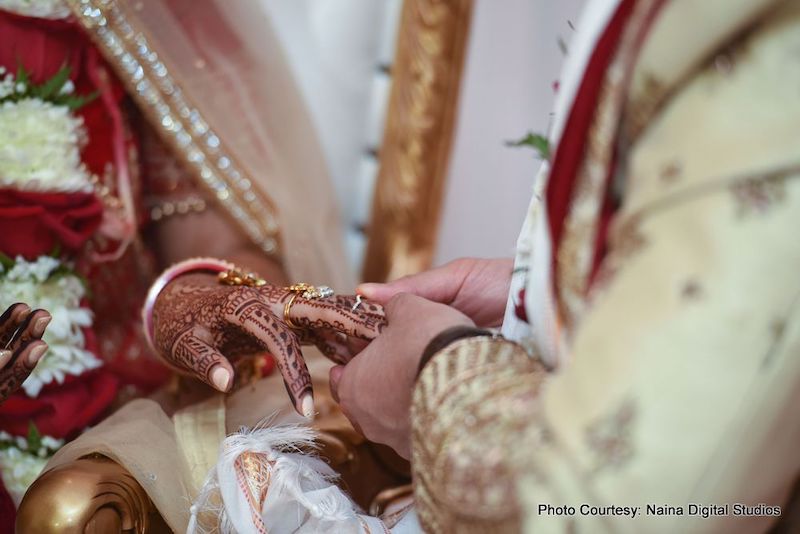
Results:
[374, 388]
[476, 287]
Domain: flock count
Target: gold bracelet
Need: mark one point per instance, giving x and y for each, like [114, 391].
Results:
[237, 277]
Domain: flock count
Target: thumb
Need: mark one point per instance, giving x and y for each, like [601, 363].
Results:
[439, 285]
[334, 378]
[380, 293]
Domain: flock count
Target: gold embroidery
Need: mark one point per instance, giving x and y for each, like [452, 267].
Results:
[778, 328]
[576, 249]
[648, 100]
[724, 64]
[756, 195]
[626, 240]
[473, 401]
[178, 121]
[671, 172]
[609, 438]
[691, 290]
[643, 105]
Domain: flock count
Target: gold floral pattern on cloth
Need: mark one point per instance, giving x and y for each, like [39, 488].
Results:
[691, 290]
[609, 438]
[756, 195]
[473, 388]
[626, 239]
[178, 121]
[643, 105]
[576, 249]
[666, 62]
[779, 328]
[253, 473]
[670, 172]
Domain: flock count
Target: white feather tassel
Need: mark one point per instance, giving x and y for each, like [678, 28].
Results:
[258, 487]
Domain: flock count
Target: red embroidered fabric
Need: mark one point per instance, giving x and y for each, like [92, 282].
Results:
[571, 147]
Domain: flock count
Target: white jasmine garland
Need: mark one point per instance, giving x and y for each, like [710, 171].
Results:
[7, 84]
[69, 88]
[19, 470]
[19, 466]
[45, 9]
[40, 146]
[48, 445]
[36, 284]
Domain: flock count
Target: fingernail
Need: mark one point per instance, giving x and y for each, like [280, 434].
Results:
[307, 405]
[20, 311]
[5, 355]
[39, 326]
[36, 354]
[221, 378]
[365, 290]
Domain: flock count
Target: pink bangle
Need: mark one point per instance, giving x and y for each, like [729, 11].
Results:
[191, 265]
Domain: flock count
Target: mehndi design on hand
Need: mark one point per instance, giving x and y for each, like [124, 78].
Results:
[198, 322]
[21, 346]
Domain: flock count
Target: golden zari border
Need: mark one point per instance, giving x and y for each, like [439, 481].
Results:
[177, 120]
[416, 147]
[577, 248]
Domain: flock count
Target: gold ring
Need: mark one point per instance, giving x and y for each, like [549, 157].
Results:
[307, 291]
[287, 308]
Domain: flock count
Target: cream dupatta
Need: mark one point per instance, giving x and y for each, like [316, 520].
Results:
[213, 80]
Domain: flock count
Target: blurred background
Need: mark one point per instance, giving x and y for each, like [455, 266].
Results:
[343, 55]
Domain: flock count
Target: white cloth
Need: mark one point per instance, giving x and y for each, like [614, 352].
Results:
[257, 487]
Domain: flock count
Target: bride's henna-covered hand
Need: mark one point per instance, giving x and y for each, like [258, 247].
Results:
[199, 322]
[21, 346]
[332, 339]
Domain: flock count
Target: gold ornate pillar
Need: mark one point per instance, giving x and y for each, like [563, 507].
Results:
[415, 151]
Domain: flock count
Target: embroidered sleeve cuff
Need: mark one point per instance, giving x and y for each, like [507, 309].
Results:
[475, 396]
[448, 337]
